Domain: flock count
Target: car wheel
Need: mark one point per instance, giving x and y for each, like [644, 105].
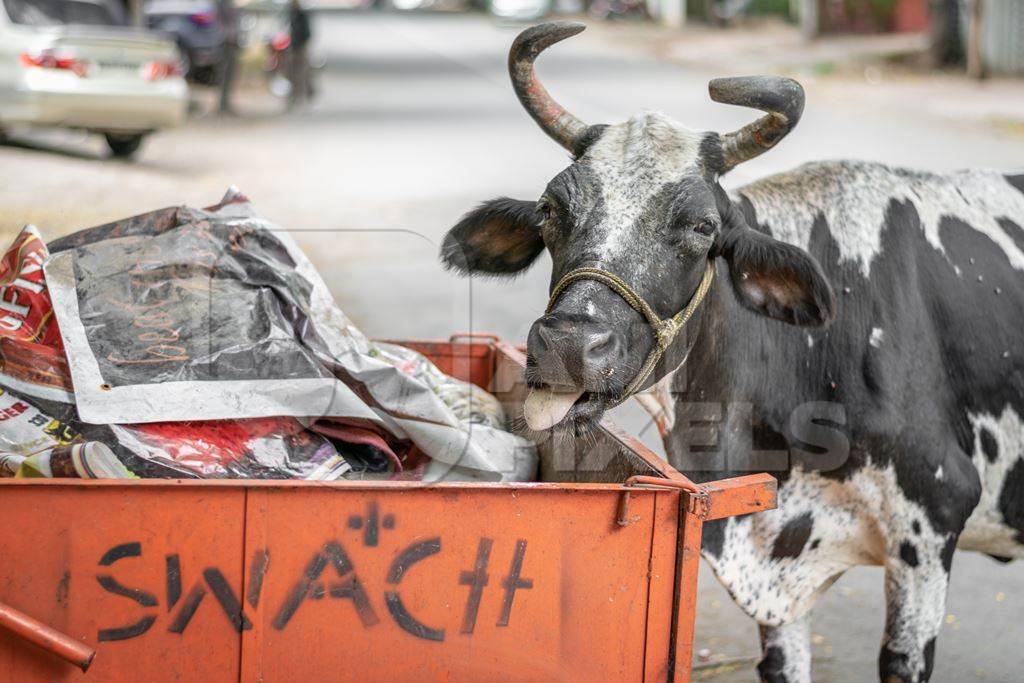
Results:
[123, 146]
[204, 75]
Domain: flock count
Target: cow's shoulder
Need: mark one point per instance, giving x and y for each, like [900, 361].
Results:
[929, 275]
[853, 201]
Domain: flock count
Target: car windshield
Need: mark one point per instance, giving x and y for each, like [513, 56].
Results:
[49, 12]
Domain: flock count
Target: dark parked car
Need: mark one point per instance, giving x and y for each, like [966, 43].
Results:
[194, 26]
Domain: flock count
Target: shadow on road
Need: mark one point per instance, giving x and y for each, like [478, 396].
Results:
[57, 144]
[48, 147]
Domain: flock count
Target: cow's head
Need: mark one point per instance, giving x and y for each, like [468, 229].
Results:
[640, 200]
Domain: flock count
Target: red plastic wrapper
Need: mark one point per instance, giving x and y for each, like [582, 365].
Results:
[26, 313]
[263, 448]
[31, 351]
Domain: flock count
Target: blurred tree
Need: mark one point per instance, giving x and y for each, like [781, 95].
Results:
[975, 60]
[810, 19]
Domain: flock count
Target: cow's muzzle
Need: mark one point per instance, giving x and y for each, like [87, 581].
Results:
[599, 351]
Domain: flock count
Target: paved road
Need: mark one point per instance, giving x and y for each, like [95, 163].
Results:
[417, 123]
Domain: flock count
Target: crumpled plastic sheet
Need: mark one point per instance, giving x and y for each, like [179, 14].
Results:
[204, 343]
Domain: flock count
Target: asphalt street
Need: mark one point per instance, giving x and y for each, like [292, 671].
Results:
[415, 123]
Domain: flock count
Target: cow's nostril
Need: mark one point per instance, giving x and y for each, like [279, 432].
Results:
[600, 345]
[547, 332]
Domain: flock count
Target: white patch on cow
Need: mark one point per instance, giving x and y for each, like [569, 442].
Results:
[810, 342]
[854, 196]
[860, 521]
[633, 161]
[986, 531]
[939, 473]
[877, 334]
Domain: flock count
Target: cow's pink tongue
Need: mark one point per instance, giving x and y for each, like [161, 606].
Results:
[545, 407]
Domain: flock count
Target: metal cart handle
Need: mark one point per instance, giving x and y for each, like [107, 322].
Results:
[698, 497]
[50, 639]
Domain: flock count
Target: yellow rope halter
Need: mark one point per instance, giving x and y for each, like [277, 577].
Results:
[665, 331]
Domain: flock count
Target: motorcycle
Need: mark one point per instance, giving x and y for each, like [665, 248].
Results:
[276, 67]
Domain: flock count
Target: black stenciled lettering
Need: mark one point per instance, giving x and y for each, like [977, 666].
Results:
[371, 524]
[399, 566]
[513, 582]
[476, 580]
[173, 570]
[188, 609]
[121, 551]
[352, 589]
[112, 585]
[218, 585]
[309, 586]
[257, 572]
[126, 632]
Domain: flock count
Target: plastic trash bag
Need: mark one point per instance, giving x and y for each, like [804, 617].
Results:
[186, 315]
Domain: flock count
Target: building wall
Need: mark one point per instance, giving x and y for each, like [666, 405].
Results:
[1002, 42]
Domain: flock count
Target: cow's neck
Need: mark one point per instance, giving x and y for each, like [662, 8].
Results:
[730, 383]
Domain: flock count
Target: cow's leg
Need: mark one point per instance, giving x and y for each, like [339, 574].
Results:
[915, 607]
[786, 652]
[937, 488]
[920, 542]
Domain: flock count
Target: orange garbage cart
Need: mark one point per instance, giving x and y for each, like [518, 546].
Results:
[588, 575]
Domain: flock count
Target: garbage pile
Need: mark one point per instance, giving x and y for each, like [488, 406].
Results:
[203, 343]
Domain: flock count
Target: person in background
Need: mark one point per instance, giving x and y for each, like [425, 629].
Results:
[298, 61]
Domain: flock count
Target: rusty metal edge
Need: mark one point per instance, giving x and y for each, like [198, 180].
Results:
[335, 485]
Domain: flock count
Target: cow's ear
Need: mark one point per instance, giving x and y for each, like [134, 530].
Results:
[776, 279]
[499, 237]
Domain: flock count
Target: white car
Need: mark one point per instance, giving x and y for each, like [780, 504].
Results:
[520, 10]
[77, 64]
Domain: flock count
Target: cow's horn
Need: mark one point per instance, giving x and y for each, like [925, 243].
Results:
[553, 119]
[782, 98]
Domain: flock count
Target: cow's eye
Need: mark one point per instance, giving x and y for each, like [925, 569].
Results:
[544, 209]
[706, 228]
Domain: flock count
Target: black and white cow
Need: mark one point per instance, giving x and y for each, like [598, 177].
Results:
[896, 432]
